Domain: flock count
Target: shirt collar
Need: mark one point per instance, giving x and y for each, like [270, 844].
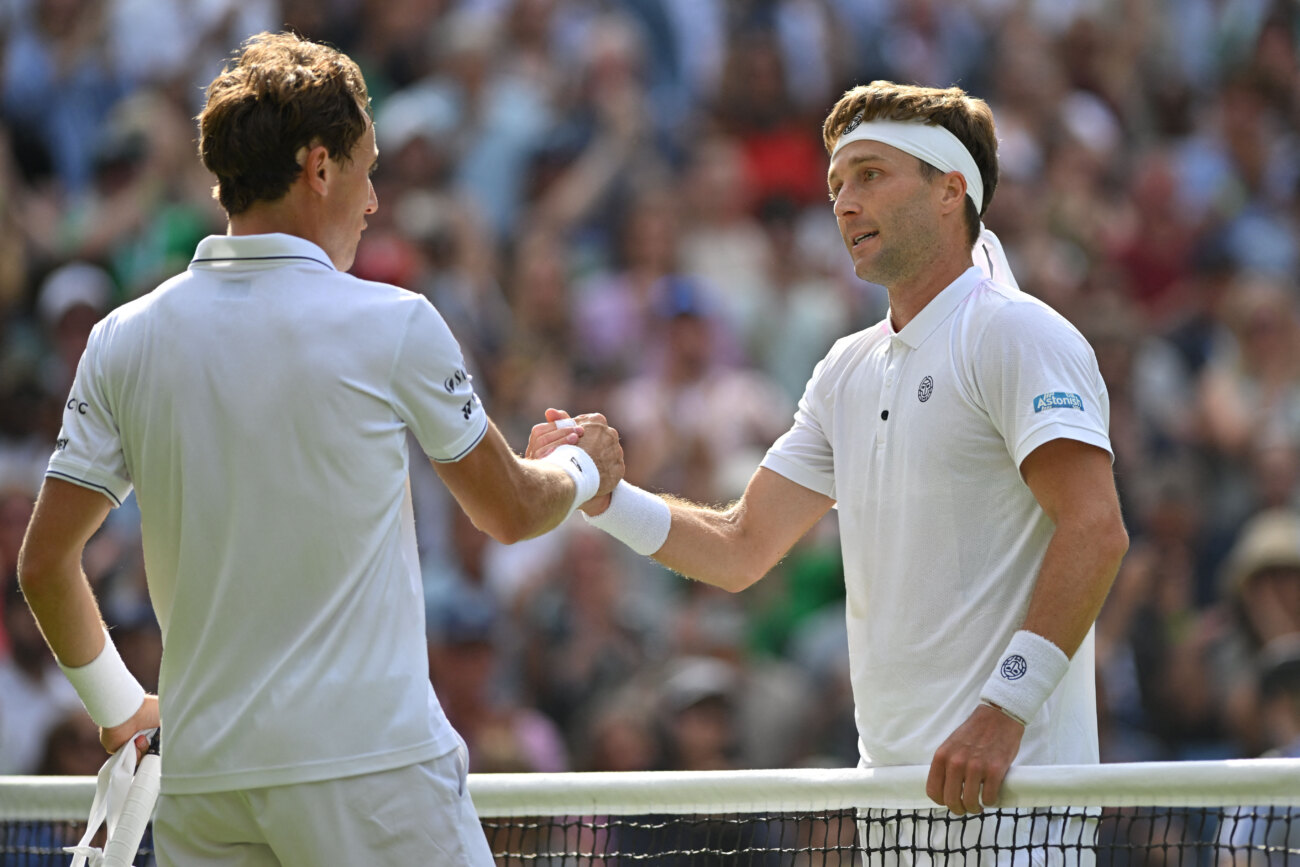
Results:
[257, 251]
[925, 322]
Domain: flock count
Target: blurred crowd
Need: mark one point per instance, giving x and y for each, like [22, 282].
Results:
[620, 205]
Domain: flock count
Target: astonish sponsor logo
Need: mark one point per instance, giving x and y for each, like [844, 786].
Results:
[1058, 400]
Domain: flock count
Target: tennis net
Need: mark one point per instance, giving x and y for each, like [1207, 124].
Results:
[1207, 814]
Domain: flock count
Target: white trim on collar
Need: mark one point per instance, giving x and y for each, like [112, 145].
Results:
[924, 323]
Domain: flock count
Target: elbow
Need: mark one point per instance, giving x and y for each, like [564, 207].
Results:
[508, 535]
[743, 571]
[36, 573]
[512, 523]
[1110, 538]
[742, 579]
[504, 528]
[1119, 541]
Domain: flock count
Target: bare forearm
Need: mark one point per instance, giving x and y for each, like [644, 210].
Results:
[1077, 572]
[735, 547]
[65, 608]
[49, 570]
[544, 499]
[712, 546]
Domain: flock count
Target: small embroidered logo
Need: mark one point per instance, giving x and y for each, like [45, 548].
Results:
[927, 388]
[1014, 667]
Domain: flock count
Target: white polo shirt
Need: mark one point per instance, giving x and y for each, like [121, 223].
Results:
[918, 436]
[259, 403]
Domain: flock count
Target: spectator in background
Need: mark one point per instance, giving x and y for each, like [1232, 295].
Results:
[1279, 698]
[1261, 588]
[1251, 387]
[501, 116]
[1269, 835]
[58, 86]
[72, 299]
[585, 633]
[465, 664]
[696, 423]
[34, 694]
[723, 244]
[615, 308]
[72, 747]
[698, 709]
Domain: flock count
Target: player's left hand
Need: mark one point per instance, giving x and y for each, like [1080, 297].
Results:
[145, 718]
[967, 772]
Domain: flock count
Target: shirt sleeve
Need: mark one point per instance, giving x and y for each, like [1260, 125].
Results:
[1039, 381]
[432, 392]
[88, 451]
[803, 454]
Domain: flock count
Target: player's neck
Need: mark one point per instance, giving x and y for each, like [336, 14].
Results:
[908, 297]
[285, 216]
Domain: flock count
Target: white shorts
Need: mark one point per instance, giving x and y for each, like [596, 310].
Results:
[419, 814]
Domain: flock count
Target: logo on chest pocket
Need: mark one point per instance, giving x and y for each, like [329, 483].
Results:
[926, 389]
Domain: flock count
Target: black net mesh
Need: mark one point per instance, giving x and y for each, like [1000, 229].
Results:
[1221, 837]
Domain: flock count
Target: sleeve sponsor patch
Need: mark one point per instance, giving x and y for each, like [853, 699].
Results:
[1058, 400]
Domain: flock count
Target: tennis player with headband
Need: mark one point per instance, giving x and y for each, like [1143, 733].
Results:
[964, 441]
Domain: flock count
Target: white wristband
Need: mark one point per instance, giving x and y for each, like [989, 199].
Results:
[1027, 673]
[635, 517]
[109, 691]
[581, 468]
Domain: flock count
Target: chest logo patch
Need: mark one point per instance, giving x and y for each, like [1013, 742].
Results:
[925, 390]
[1058, 400]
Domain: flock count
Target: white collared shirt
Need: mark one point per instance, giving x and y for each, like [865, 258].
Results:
[919, 435]
[259, 404]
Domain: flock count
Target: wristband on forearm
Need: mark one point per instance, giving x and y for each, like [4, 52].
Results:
[109, 691]
[1027, 673]
[636, 517]
[581, 468]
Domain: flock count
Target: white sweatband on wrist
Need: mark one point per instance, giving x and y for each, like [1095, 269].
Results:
[581, 468]
[109, 691]
[1027, 673]
[635, 517]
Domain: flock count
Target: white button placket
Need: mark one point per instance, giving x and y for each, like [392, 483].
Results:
[893, 361]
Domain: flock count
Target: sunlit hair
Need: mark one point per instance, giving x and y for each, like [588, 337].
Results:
[281, 93]
[968, 118]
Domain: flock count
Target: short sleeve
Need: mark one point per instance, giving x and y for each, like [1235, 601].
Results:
[432, 392]
[88, 451]
[1039, 381]
[803, 454]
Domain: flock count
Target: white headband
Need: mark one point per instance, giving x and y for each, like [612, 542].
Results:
[927, 142]
[938, 147]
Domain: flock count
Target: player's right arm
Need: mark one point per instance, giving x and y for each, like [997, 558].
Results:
[729, 548]
[511, 498]
[734, 547]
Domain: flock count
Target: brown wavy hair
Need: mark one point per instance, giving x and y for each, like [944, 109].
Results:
[968, 118]
[281, 93]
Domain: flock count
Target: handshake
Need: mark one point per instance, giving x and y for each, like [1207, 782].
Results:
[591, 433]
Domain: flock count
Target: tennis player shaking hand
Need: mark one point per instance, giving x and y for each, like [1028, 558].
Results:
[260, 404]
[964, 441]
